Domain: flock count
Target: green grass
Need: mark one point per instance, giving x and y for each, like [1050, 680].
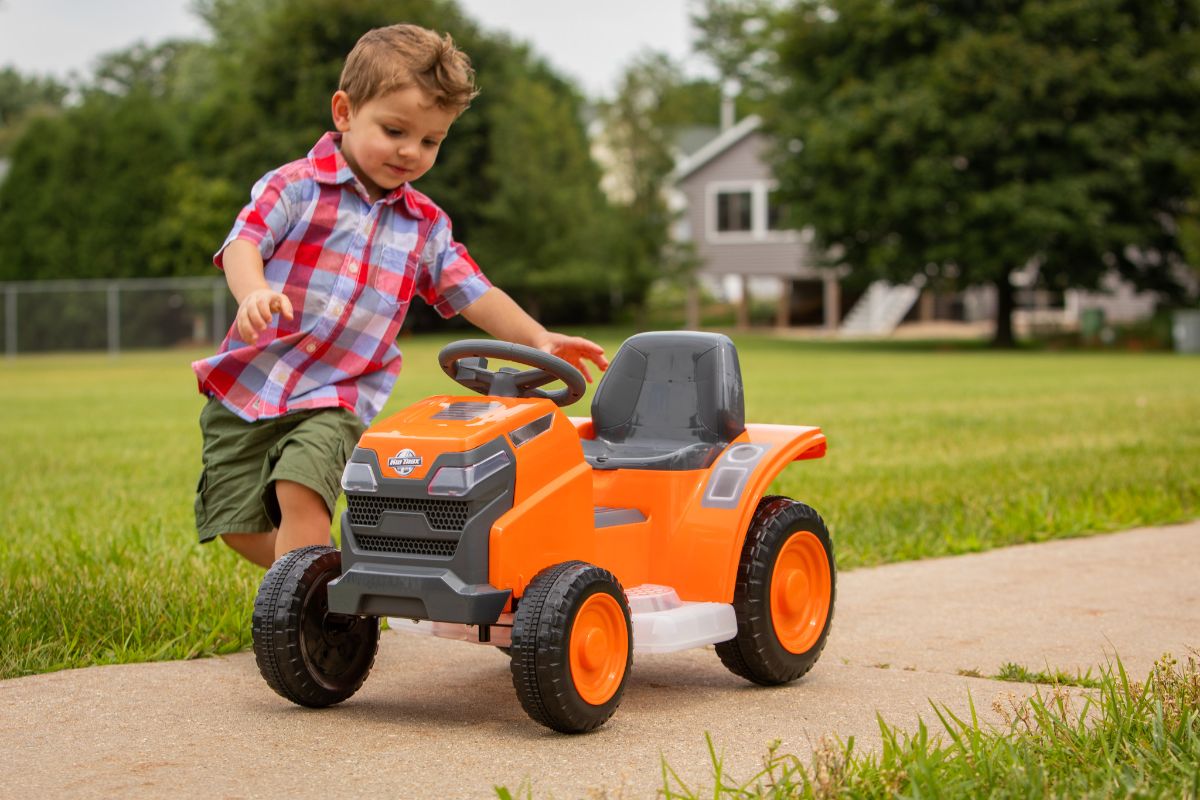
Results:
[1123, 739]
[1022, 674]
[930, 453]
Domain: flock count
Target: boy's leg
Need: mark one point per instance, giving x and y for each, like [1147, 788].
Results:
[228, 497]
[304, 518]
[304, 478]
[258, 548]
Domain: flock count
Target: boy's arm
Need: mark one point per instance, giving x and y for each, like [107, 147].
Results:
[257, 302]
[499, 315]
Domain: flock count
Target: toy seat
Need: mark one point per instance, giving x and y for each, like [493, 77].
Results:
[669, 401]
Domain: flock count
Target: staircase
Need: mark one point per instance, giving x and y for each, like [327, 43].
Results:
[881, 308]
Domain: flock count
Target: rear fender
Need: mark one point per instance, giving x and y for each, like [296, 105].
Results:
[712, 531]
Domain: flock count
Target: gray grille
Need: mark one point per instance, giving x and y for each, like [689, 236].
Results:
[443, 515]
[413, 547]
[465, 410]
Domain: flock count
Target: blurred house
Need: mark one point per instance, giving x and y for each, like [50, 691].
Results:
[730, 212]
[726, 196]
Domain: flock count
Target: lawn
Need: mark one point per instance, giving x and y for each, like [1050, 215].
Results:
[931, 452]
[1126, 738]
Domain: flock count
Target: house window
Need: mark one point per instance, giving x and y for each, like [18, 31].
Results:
[746, 211]
[735, 212]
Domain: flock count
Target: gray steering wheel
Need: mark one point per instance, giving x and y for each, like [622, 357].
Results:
[465, 361]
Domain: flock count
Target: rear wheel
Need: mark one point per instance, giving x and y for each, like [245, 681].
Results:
[305, 653]
[572, 646]
[784, 595]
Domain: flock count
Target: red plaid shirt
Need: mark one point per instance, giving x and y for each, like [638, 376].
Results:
[350, 269]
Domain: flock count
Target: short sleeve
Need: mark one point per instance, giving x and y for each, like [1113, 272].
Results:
[448, 278]
[266, 219]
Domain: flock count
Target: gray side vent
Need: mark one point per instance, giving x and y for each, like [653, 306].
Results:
[534, 429]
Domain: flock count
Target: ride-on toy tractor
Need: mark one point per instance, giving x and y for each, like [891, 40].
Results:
[568, 542]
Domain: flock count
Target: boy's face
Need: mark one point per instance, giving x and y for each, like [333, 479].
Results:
[391, 139]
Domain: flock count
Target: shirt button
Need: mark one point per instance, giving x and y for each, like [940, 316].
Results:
[256, 404]
[310, 347]
[354, 269]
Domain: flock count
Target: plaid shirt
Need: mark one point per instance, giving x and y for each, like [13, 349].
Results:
[350, 269]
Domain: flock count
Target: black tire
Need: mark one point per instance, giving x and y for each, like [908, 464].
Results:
[757, 653]
[541, 646]
[306, 654]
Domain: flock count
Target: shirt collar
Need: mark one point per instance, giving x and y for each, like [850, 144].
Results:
[330, 167]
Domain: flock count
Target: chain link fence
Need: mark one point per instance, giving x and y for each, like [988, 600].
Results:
[113, 315]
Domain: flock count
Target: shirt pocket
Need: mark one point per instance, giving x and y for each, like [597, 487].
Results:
[393, 277]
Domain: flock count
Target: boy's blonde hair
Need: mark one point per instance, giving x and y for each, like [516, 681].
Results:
[399, 56]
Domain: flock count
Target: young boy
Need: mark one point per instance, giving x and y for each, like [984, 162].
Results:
[324, 261]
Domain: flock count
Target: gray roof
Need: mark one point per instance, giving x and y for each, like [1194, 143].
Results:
[715, 147]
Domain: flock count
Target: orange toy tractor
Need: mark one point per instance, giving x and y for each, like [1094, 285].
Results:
[568, 542]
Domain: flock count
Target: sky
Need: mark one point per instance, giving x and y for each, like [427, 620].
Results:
[587, 41]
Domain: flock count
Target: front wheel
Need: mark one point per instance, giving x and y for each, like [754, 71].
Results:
[305, 653]
[572, 646]
[784, 595]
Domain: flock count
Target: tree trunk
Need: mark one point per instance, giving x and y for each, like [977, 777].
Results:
[1005, 301]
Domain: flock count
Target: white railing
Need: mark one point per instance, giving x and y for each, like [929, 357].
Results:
[881, 308]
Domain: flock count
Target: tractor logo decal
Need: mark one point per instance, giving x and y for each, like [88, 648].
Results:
[405, 462]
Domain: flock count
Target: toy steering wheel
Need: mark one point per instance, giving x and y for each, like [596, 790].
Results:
[466, 362]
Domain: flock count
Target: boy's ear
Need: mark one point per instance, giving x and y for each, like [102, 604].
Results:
[341, 109]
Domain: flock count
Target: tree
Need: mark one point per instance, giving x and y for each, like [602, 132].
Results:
[655, 102]
[741, 38]
[22, 96]
[514, 174]
[969, 139]
[543, 224]
[88, 185]
[146, 174]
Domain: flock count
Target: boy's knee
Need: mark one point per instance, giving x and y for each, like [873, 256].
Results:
[258, 548]
[297, 498]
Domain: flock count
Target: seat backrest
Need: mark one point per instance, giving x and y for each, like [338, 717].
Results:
[671, 386]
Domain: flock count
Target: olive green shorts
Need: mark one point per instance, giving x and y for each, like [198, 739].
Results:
[242, 461]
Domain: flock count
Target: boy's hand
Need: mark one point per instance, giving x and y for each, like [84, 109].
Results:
[573, 350]
[255, 312]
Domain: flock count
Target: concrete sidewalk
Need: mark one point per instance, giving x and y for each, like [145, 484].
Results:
[440, 718]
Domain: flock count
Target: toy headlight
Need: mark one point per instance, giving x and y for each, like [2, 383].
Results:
[457, 481]
[358, 477]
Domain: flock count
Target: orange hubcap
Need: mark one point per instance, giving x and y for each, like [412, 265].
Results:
[800, 589]
[599, 648]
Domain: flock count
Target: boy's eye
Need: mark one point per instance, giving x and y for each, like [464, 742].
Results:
[393, 131]
[432, 142]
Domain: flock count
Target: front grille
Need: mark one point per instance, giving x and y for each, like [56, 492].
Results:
[443, 515]
[412, 547]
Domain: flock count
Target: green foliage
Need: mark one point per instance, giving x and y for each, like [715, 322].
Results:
[192, 222]
[86, 189]
[655, 102]
[741, 39]
[146, 175]
[22, 96]
[515, 174]
[543, 224]
[967, 140]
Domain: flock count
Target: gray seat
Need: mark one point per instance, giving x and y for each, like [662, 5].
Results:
[670, 401]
